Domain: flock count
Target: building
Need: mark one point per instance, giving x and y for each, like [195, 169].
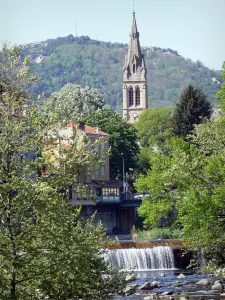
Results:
[135, 88]
[101, 195]
[104, 194]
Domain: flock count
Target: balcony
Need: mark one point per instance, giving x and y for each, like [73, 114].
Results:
[108, 199]
[96, 194]
[130, 200]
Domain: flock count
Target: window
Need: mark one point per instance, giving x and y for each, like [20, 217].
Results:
[102, 170]
[110, 191]
[70, 192]
[111, 194]
[89, 142]
[131, 96]
[134, 68]
[137, 96]
[98, 192]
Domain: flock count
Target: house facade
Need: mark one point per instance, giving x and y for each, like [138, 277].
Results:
[103, 196]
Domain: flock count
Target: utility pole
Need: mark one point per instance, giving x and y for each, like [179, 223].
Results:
[124, 183]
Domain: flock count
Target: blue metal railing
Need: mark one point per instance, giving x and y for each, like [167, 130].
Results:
[108, 199]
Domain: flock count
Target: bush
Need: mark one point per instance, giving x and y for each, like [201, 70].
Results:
[157, 233]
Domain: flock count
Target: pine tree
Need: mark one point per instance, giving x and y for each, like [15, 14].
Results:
[191, 110]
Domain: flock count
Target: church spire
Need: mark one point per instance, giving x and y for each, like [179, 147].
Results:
[134, 51]
[135, 93]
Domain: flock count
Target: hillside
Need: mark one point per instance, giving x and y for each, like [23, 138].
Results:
[84, 61]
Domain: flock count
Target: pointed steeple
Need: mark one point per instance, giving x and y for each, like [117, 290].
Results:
[134, 58]
[135, 92]
[134, 51]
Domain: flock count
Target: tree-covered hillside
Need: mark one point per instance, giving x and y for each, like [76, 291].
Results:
[84, 61]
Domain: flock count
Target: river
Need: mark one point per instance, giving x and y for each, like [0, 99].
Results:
[158, 264]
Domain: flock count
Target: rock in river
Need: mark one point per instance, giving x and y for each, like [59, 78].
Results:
[217, 287]
[146, 286]
[204, 282]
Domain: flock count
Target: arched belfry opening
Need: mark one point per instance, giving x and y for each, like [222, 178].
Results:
[135, 90]
[137, 96]
[131, 96]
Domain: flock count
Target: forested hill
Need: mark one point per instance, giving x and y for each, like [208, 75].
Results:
[84, 61]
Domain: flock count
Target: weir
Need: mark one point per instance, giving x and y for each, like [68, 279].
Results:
[142, 259]
[125, 244]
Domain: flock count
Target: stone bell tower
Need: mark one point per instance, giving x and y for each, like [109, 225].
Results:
[135, 90]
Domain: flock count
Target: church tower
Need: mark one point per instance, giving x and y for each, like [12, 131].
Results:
[135, 91]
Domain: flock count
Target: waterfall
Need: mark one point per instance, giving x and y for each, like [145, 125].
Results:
[141, 259]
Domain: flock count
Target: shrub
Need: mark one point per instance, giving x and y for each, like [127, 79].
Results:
[157, 233]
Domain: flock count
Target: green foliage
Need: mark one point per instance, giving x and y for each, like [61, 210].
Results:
[221, 93]
[122, 139]
[144, 160]
[88, 62]
[154, 126]
[190, 181]
[158, 233]
[154, 184]
[190, 111]
[212, 268]
[73, 102]
[209, 136]
[46, 249]
[14, 74]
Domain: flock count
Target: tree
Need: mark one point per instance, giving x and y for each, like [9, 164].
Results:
[190, 181]
[221, 93]
[144, 161]
[154, 129]
[191, 110]
[122, 139]
[73, 102]
[46, 249]
[87, 105]
[154, 126]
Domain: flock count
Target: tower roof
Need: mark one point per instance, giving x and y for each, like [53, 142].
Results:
[134, 65]
[134, 51]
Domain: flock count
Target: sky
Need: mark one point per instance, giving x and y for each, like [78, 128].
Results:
[194, 28]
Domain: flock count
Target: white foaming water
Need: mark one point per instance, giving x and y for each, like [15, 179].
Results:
[141, 259]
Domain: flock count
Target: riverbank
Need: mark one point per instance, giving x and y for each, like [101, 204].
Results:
[171, 284]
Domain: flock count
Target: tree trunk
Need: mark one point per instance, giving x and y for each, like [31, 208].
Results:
[13, 285]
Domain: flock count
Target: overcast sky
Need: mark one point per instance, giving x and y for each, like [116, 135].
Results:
[195, 28]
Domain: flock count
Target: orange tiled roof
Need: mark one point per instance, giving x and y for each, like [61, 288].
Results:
[87, 129]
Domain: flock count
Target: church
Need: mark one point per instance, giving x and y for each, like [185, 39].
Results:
[135, 87]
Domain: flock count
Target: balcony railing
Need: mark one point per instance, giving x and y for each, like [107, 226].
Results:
[108, 199]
